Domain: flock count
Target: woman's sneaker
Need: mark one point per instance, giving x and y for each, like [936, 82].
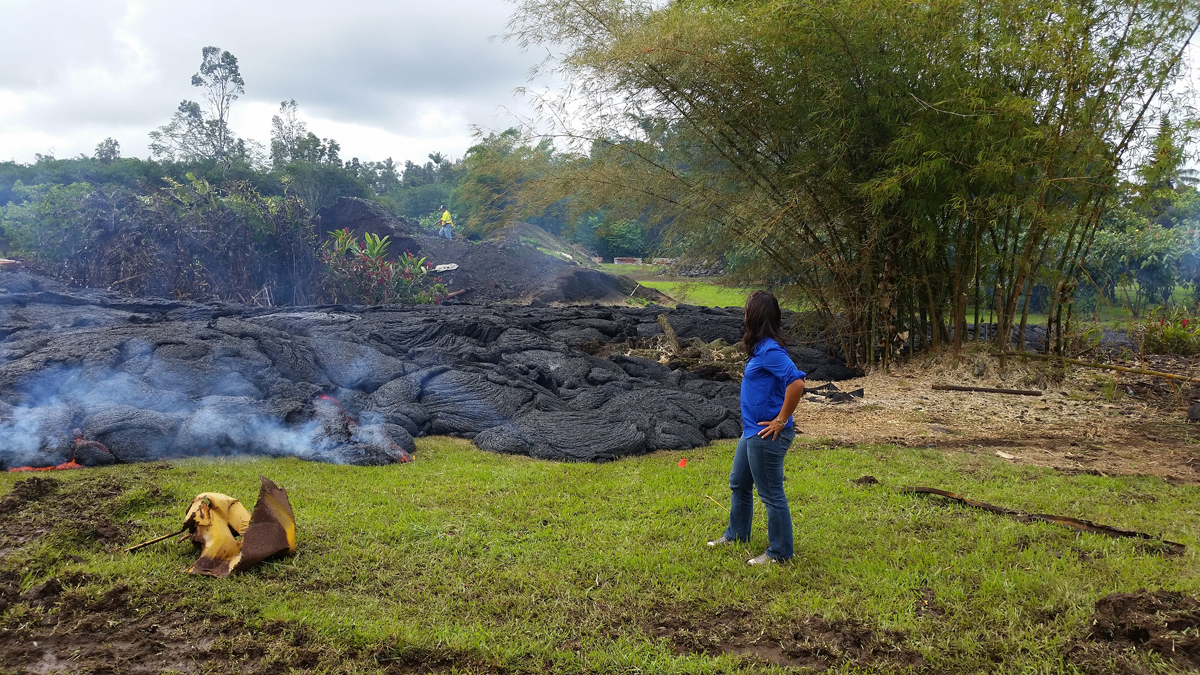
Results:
[720, 542]
[763, 559]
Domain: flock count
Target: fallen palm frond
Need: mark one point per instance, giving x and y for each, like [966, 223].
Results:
[155, 540]
[272, 528]
[1173, 547]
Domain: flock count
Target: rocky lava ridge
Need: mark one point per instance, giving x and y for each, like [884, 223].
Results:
[151, 379]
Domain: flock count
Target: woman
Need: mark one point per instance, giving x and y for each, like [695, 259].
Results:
[771, 389]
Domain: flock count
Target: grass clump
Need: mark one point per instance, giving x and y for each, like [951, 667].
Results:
[487, 562]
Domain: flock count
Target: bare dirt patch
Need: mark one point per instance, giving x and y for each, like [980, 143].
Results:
[1086, 420]
[810, 642]
[1162, 623]
[69, 629]
[26, 491]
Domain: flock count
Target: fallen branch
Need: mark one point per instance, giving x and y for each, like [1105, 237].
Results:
[1104, 366]
[457, 293]
[1074, 523]
[135, 547]
[988, 390]
[121, 281]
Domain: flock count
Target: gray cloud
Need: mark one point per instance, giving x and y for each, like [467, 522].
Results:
[395, 78]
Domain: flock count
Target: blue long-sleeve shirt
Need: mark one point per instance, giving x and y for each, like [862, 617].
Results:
[768, 373]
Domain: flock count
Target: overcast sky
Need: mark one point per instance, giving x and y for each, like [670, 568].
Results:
[386, 78]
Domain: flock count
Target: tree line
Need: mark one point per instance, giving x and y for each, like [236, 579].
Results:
[212, 215]
[198, 143]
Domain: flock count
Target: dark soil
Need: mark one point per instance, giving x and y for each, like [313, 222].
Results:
[25, 492]
[1163, 623]
[809, 642]
[117, 631]
[85, 516]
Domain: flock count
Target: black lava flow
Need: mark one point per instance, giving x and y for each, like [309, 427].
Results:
[152, 379]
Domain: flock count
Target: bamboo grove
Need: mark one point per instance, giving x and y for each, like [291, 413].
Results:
[899, 166]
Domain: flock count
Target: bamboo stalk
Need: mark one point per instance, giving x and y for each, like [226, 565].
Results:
[1105, 366]
[987, 390]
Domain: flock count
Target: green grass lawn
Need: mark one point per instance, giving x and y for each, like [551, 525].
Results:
[704, 294]
[500, 563]
[632, 271]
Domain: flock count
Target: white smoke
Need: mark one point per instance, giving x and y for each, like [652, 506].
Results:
[141, 423]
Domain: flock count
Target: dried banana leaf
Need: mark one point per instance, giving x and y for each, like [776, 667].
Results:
[272, 528]
[215, 520]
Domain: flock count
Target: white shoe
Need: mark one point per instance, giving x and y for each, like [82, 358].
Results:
[720, 542]
[763, 559]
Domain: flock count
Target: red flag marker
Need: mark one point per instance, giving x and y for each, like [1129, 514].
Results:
[683, 462]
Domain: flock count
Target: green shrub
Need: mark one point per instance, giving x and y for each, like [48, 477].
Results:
[1171, 332]
[361, 274]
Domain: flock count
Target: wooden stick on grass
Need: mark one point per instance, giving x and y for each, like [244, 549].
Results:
[131, 549]
[988, 390]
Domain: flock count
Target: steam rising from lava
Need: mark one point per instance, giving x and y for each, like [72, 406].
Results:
[138, 423]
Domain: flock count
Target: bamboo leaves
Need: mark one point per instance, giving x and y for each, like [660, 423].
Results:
[887, 159]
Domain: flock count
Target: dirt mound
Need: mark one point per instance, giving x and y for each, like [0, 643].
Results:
[809, 642]
[150, 379]
[522, 263]
[1165, 623]
[514, 270]
[360, 217]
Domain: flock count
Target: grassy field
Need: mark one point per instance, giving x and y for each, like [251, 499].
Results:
[704, 294]
[488, 563]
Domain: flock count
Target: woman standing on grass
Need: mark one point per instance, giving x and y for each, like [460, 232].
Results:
[771, 389]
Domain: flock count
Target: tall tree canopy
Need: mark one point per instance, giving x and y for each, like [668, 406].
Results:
[887, 158]
[204, 134]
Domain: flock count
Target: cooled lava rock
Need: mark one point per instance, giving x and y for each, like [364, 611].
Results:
[150, 379]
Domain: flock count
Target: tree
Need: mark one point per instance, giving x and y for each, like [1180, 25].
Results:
[222, 83]
[193, 135]
[286, 132]
[890, 161]
[108, 150]
[494, 171]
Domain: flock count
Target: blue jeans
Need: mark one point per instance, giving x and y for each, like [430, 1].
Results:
[758, 462]
[445, 232]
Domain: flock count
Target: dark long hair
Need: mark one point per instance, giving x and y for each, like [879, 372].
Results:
[763, 320]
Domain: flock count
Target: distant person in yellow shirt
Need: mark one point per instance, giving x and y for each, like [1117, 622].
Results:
[447, 230]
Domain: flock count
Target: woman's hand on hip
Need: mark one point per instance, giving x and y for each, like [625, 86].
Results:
[771, 429]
